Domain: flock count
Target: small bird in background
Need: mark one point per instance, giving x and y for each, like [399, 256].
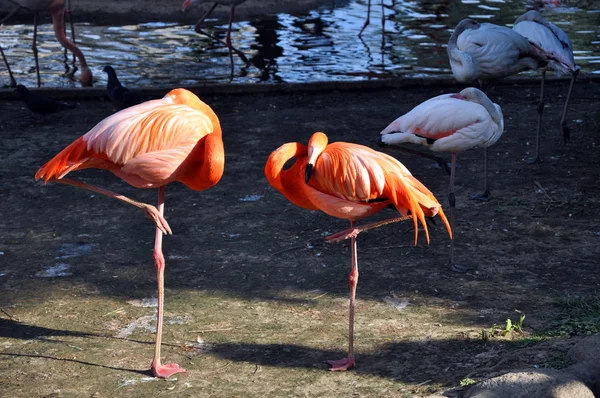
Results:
[120, 96]
[350, 182]
[554, 41]
[41, 105]
[449, 123]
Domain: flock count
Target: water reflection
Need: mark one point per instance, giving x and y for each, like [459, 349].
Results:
[320, 45]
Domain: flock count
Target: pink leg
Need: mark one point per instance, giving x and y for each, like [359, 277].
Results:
[228, 38]
[150, 210]
[353, 231]
[158, 370]
[347, 363]
[35, 50]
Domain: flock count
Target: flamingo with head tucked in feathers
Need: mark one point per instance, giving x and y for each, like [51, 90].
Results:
[57, 9]
[176, 138]
[449, 123]
[554, 41]
[350, 181]
[485, 53]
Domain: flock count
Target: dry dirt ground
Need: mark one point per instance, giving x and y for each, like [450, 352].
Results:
[256, 300]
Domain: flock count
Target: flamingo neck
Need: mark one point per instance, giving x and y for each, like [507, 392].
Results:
[289, 182]
[58, 21]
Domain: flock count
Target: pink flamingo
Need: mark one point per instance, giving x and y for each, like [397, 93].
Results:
[351, 182]
[176, 138]
[449, 123]
[554, 41]
[57, 9]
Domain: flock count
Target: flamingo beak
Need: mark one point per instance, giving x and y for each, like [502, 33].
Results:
[308, 173]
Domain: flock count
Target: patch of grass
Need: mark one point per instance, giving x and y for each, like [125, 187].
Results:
[467, 381]
[510, 328]
[580, 315]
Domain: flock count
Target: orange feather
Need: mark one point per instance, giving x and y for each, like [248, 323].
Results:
[176, 138]
[350, 181]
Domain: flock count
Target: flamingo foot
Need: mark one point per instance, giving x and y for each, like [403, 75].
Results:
[166, 371]
[342, 364]
[340, 236]
[535, 160]
[158, 220]
[483, 197]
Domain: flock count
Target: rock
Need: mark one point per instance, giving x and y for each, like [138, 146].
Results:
[587, 349]
[534, 383]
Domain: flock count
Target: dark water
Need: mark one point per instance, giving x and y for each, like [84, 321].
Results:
[319, 46]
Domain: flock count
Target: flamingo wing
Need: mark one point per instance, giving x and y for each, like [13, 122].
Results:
[143, 144]
[353, 175]
[499, 51]
[447, 124]
[551, 39]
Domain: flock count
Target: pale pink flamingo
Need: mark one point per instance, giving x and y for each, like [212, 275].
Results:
[485, 53]
[350, 182]
[449, 123]
[554, 41]
[57, 9]
[189, 4]
[176, 138]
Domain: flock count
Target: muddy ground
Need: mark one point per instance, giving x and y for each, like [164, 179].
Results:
[256, 301]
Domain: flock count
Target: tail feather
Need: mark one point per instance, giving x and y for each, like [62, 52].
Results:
[67, 160]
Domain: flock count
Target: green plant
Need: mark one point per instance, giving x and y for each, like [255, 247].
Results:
[467, 381]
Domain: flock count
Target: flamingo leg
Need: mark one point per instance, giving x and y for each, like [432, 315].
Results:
[348, 362]
[151, 211]
[69, 16]
[228, 37]
[199, 30]
[35, 50]
[353, 231]
[13, 82]
[382, 26]
[540, 112]
[564, 130]
[158, 370]
[368, 20]
[486, 195]
[452, 203]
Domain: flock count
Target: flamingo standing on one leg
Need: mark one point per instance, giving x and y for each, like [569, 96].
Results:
[189, 4]
[57, 9]
[449, 123]
[554, 41]
[176, 138]
[486, 53]
[350, 181]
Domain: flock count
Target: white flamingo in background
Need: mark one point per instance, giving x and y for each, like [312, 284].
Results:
[190, 4]
[486, 52]
[449, 123]
[57, 9]
[554, 41]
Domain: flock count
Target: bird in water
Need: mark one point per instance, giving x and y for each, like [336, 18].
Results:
[39, 104]
[486, 53]
[554, 41]
[350, 182]
[176, 138]
[190, 4]
[120, 96]
[449, 123]
[57, 9]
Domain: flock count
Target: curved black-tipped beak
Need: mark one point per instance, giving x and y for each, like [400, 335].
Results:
[380, 142]
[309, 171]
